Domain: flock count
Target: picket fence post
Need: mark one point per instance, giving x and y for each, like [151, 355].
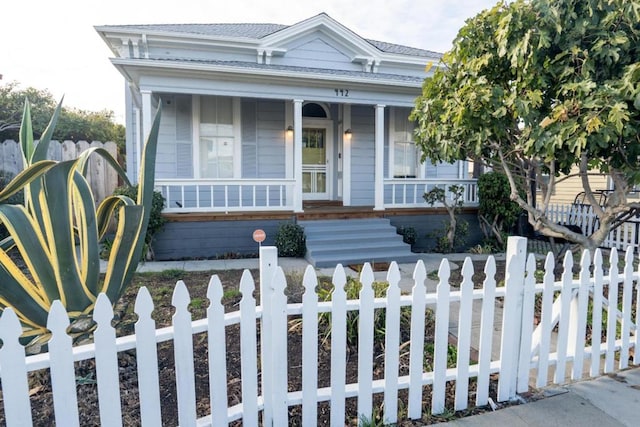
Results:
[309, 347]
[338, 345]
[249, 362]
[14, 371]
[512, 320]
[106, 364]
[365, 343]
[268, 268]
[63, 380]
[278, 314]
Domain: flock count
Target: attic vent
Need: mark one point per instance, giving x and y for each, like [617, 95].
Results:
[314, 110]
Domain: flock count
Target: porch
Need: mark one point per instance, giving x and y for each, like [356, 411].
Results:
[219, 234]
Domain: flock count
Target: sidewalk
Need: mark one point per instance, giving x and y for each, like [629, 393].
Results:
[431, 260]
[605, 401]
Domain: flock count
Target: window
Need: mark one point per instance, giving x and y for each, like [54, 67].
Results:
[314, 110]
[217, 137]
[405, 163]
[405, 152]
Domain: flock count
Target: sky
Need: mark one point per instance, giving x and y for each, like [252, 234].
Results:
[53, 44]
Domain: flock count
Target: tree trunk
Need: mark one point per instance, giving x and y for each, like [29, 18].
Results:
[451, 233]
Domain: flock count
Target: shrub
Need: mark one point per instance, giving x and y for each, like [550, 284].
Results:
[442, 237]
[156, 220]
[16, 199]
[497, 212]
[352, 290]
[409, 235]
[290, 240]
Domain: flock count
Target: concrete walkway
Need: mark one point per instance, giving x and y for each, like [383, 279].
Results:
[606, 401]
[432, 263]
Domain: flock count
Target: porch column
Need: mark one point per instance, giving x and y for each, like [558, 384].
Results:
[135, 169]
[146, 125]
[379, 159]
[297, 155]
[346, 156]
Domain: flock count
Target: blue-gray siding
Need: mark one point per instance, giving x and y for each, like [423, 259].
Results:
[174, 158]
[362, 155]
[249, 132]
[212, 239]
[316, 51]
[131, 124]
[429, 227]
[271, 139]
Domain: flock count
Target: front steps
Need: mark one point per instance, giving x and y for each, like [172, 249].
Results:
[354, 241]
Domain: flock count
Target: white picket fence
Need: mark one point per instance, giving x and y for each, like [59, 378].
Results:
[523, 349]
[101, 176]
[627, 235]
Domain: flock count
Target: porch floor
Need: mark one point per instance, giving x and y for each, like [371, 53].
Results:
[312, 210]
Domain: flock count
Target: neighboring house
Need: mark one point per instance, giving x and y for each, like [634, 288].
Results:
[264, 123]
[566, 191]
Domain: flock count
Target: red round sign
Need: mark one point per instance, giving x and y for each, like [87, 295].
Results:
[259, 236]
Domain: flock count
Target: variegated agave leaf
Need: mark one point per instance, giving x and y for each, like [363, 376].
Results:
[57, 233]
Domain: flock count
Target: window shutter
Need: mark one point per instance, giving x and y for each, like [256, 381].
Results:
[184, 160]
[184, 144]
[249, 131]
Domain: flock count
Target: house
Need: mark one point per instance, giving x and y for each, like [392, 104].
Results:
[266, 123]
[570, 186]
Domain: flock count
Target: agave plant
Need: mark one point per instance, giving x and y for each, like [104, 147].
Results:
[58, 230]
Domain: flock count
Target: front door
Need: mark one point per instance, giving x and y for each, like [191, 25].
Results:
[316, 165]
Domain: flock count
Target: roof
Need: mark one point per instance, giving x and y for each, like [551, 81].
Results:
[251, 31]
[258, 31]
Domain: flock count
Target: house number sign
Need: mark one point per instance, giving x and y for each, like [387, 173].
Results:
[342, 92]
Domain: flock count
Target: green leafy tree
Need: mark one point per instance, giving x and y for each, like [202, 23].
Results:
[12, 104]
[82, 125]
[55, 234]
[452, 199]
[73, 124]
[543, 87]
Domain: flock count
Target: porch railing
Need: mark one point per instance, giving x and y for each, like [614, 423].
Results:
[405, 193]
[234, 195]
[224, 195]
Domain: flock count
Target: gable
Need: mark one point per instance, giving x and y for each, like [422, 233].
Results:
[318, 30]
[316, 50]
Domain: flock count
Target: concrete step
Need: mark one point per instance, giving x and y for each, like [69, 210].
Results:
[330, 239]
[354, 241]
[344, 225]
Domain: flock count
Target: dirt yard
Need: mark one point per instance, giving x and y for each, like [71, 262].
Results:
[161, 287]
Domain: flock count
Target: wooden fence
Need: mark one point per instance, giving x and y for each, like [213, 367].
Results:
[102, 178]
[524, 347]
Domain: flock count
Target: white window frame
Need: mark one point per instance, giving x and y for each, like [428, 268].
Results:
[237, 142]
[392, 142]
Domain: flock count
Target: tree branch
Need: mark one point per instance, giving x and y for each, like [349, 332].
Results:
[584, 167]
